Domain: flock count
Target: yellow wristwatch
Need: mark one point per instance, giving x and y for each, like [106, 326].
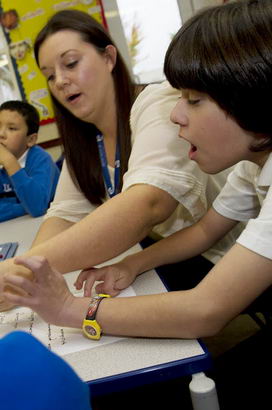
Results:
[90, 327]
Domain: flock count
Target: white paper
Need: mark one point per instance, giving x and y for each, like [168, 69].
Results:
[60, 340]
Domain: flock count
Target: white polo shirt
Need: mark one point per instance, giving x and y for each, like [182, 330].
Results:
[247, 196]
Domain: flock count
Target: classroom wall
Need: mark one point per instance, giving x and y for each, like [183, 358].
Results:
[49, 131]
[198, 4]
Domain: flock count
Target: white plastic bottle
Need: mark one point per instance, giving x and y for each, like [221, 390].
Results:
[203, 392]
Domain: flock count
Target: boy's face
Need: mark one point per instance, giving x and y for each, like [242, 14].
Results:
[217, 141]
[14, 133]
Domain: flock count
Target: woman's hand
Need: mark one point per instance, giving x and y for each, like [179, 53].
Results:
[8, 267]
[47, 294]
[113, 278]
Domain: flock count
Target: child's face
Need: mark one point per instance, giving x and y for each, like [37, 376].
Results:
[217, 141]
[13, 132]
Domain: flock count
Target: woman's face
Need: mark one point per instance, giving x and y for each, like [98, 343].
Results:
[78, 76]
[217, 141]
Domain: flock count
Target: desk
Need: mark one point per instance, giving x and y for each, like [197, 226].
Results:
[136, 361]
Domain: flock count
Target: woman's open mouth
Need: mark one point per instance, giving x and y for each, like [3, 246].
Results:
[73, 98]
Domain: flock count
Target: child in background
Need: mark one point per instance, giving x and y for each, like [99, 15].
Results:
[28, 175]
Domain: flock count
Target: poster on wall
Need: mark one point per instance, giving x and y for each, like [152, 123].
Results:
[21, 21]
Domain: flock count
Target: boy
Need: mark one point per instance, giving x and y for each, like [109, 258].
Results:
[28, 175]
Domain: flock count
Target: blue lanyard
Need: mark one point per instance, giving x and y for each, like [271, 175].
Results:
[104, 164]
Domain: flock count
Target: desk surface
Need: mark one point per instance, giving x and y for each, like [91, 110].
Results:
[128, 361]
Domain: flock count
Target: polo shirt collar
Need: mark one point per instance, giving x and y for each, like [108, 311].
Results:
[22, 159]
[265, 177]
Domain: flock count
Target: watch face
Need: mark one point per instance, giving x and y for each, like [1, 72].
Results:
[90, 330]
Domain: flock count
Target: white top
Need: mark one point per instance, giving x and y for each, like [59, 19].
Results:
[69, 203]
[247, 196]
[158, 158]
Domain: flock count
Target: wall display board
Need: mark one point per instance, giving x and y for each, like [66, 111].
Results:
[21, 21]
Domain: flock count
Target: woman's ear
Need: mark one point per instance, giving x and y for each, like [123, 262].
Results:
[110, 56]
[32, 139]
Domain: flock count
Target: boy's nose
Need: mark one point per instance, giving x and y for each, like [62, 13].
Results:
[178, 114]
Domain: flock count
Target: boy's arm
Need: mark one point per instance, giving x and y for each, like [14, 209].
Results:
[233, 283]
[183, 244]
[179, 246]
[10, 210]
[33, 187]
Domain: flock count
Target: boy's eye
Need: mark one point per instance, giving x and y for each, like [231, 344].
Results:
[192, 101]
[50, 77]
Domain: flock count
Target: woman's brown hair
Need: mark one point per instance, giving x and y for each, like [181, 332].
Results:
[78, 137]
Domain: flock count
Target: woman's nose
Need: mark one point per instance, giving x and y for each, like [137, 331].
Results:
[61, 79]
[178, 114]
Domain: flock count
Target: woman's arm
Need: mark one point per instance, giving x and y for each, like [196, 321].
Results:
[49, 228]
[108, 231]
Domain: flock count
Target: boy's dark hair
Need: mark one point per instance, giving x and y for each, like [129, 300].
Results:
[78, 137]
[226, 52]
[30, 114]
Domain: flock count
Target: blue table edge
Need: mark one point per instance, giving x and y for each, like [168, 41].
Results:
[152, 374]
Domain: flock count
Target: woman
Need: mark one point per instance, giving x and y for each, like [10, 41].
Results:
[92, 95]
[163, 191]
[221, 60]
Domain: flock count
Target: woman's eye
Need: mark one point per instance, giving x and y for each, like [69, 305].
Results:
[72, 64]
[50, 78]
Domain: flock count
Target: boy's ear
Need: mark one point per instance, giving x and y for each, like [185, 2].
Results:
[32, 139]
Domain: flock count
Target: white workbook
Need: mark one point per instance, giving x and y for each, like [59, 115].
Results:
[61, 340]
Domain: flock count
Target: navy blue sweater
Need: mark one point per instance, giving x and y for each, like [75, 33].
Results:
[31, 189]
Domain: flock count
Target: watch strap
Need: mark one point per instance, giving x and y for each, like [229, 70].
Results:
[90, 326]
[93, 306]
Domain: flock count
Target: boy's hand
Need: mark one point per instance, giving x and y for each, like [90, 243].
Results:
[5, 155]
[113, 278]
[48, 294]
[8, 160]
